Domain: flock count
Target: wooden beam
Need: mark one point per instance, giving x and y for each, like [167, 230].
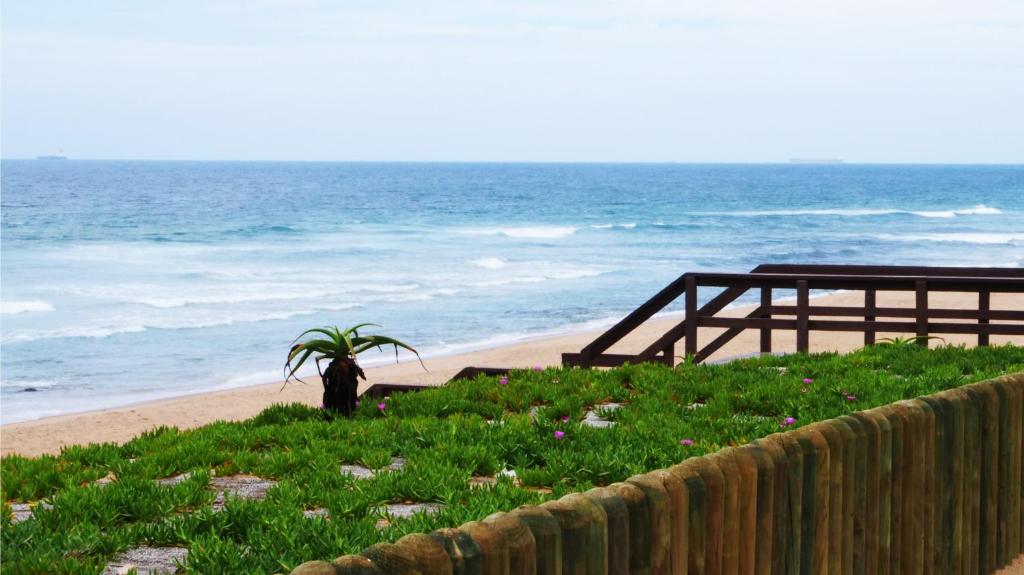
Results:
[691, 316]
[802, 316]
[870, 313]
[921, 288]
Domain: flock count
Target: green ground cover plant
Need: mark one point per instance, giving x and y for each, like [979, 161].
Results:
[529, 423]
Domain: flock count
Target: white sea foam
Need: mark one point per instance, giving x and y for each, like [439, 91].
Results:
[527, 232]
[162, 297]
[977, 210]
[962, 237]
[628, 226]
[568, 274]
[490, 263]
[141, 323]
[19, 384]
[28, 306]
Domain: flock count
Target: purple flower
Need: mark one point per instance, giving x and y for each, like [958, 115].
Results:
[851, 397]
[686, 441]
[559, 434]
[503, 381]
[357, 403]
[538, 368]
[787, 422]
[382, 406]
[565, 419]
[808, 380]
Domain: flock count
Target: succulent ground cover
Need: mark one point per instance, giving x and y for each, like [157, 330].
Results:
[466, 450]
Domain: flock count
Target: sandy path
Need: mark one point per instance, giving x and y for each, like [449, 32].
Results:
[48, 435]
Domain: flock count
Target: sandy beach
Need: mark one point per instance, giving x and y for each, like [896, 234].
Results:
[49, 435]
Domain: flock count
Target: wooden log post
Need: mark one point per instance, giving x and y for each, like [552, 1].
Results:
[870, 488]
[354, 565]
[584, 526]
[955, 444]
[547, 538]
[1011, 394]
[747, 509]
[766, 332]
[927, 497]
[696, 520]
[883, 506]
[314, 568]
[912, 537]
[942, 513]
[392, 559]
[986, 404]
[855, 459]
[781, 540]
[522, 549]
[494, 558]
[898, 472]
[462, 550]
[758, 496]
[816, 496]
[430, 556]
[731, 523]
[675, 485]
[834, 530]
[617, 518]
[714, 513]
[659, 514]
[798, 536]
[639, 527]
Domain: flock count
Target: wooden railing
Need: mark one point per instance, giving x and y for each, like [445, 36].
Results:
[804, 278]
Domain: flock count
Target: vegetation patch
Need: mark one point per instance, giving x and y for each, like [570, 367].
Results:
[525, 433]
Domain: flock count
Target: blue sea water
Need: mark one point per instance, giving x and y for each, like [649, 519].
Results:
[128, 281]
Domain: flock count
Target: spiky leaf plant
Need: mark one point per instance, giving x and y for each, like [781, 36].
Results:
[341, 347]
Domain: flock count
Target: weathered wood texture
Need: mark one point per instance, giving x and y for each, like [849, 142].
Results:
[931, 485]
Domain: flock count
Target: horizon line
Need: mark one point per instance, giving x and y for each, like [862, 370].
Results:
[831, 162]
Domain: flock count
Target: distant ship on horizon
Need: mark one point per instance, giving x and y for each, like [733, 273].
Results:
[60, 155]
[815, 160]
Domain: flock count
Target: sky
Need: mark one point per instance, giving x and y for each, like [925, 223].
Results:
[933, 81]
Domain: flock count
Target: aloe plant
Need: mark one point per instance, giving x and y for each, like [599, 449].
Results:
[341, 378]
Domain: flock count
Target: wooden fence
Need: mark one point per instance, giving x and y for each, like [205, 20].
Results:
[931, 485]
[804, 318]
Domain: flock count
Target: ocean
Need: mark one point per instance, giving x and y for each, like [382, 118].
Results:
[130, 281]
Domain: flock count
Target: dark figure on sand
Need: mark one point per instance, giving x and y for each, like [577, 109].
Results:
[340, 385]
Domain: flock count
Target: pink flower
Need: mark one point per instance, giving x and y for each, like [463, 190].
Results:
[565, 419]
[559, 434]
[382, 406]
[503, 381]
[851, 397]
[357, 403]
[787, 422]
[538, 368]
[808, 380]
[686, 441]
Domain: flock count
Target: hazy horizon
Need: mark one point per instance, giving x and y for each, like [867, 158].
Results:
[592, 82]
